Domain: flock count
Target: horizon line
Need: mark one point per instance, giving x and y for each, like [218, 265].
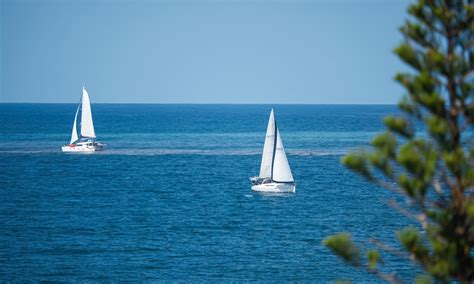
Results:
[145, 103]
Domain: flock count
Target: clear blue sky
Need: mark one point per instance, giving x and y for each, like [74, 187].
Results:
[321, 51]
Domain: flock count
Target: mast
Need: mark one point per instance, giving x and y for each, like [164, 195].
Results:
[274, 146]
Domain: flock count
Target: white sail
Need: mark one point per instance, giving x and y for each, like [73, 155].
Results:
[281, 168]
[74, 127]
[267, 156]
[87, 126]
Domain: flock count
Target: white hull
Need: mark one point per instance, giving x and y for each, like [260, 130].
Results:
[82, 148]
[275, 187]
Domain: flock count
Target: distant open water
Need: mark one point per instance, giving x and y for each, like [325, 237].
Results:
[170, 198]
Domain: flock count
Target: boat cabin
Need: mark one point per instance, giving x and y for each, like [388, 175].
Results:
[257, 181]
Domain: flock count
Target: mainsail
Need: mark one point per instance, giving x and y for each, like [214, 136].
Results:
[87, 126]
[274, 162]
[281, 168]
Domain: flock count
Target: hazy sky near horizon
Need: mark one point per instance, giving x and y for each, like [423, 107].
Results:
[209, 51]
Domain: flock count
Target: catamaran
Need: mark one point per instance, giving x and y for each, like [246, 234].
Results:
[275, 173]
[85, 142]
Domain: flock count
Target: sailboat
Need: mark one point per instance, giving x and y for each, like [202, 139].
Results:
[275, 173]
[85, 142]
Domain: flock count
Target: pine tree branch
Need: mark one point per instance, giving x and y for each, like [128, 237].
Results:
[419, 218]
[389, 249]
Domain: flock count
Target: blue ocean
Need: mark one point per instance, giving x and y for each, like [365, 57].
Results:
[170, 198]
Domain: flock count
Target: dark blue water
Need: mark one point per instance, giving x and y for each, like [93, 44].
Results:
[170, 199]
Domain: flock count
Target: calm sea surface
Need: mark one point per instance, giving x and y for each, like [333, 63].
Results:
[170, 199]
